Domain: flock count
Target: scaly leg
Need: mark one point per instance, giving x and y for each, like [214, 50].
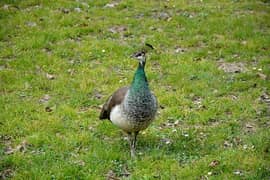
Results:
[135, 139]
[133, 149]
[131, 143]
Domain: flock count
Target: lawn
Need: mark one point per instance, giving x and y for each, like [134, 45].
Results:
[210, 70]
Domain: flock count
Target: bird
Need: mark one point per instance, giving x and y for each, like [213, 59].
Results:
[132, 108]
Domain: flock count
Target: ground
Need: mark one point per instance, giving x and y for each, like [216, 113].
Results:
[60, 61]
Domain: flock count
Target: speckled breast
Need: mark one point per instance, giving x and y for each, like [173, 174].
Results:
[140, 110]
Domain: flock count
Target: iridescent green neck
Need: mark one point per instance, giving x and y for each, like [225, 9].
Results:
[139, 82]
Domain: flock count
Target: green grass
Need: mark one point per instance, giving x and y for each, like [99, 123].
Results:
[207, 114]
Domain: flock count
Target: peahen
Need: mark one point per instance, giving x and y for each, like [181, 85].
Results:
[132, 108]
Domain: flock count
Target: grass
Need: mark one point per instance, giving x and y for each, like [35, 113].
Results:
[59, 61]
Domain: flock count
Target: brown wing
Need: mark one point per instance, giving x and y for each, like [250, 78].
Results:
[116, 98]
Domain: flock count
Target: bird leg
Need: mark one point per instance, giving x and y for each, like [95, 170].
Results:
[135, 140]
[132, 142]
[131, 139]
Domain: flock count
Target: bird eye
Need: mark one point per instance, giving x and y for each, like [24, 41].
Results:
[139, 54]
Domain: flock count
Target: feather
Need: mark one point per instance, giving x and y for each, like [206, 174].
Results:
[116, 98]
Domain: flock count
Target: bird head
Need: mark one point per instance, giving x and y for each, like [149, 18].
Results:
[141, 55]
